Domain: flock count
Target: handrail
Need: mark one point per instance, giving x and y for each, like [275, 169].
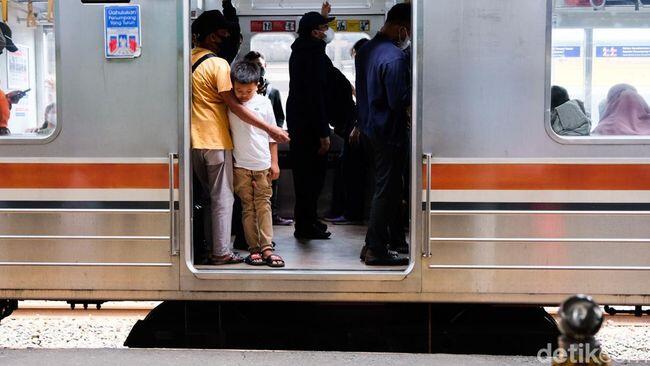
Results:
[538, 212]
[172, 207]
[83, 264]
[540, 240]
[86, 237]
[426, 247]
[536, 267]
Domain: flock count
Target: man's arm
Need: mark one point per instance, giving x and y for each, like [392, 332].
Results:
[278, 111]
[321, 115]
[325, 9]
[249, 117]
[398, 86]
[229, 11]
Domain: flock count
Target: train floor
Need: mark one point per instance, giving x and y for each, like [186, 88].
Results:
[161, 357]
[339, 253]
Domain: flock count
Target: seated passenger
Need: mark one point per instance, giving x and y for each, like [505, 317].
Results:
[614, 92]
[256, 166]
[625, 113]
[568, 117]
[50, 122]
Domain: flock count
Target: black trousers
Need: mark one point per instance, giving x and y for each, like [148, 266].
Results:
[354, 167]
[385, 225]
[309, 170]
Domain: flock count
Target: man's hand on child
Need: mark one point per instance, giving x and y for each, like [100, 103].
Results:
[279, 135]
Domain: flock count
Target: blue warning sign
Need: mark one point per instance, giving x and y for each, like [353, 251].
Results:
[622, 51]
[122, 31]
[566, 51]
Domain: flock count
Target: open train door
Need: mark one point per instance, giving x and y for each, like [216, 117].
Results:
[270, 26]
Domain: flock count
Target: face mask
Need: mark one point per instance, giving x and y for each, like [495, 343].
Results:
[263, 82]
[405, 42]
[329, 35]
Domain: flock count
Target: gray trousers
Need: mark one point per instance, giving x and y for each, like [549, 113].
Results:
[214, 169]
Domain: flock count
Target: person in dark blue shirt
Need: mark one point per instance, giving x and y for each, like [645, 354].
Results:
[383, 87]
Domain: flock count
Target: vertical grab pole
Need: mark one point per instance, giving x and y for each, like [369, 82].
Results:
[426, 247]
[172, 206]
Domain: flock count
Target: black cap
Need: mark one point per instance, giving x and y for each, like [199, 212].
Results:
[209, 22]
[311, 21]
[6, 32]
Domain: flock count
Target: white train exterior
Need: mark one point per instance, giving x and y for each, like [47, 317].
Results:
[101, 209]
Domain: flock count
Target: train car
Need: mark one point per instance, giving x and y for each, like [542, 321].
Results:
[98, 205]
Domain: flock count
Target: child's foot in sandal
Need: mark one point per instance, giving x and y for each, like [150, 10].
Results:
[255, 259]
[273, 260]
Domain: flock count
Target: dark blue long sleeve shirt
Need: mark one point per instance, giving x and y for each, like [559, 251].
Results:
[383, 89]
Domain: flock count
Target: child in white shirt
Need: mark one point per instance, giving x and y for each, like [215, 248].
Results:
[256, 166]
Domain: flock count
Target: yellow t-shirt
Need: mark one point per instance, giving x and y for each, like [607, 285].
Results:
[210, 127]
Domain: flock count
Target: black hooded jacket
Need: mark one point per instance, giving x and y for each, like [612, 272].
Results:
[309, 67]
[230, 46]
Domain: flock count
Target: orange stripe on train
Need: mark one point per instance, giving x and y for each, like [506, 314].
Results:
[540, 176]
[85, 176]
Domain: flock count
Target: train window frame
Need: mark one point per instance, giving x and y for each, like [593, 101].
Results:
[45, 139]
[552, 8]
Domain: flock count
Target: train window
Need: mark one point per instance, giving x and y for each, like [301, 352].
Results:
[599, 4]
[276, 48]
[339, 51]
[29, 81]
[308, 4]
[600, 70]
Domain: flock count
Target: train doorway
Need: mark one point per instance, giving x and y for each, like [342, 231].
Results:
[269, 27]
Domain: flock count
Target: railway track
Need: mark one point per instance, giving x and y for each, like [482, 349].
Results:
[53, 324]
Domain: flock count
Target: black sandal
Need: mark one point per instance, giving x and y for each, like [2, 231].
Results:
[274, 260]
[232, 258]
[255, 259]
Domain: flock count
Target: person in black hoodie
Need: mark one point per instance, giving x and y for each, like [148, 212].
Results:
[230, 47]
[308, 120]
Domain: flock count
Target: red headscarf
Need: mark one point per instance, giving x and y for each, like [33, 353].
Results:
[626, 113]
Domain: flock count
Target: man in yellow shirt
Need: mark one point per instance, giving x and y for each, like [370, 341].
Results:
[211, 142]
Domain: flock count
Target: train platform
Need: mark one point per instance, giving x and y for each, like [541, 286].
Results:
[158, 357]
